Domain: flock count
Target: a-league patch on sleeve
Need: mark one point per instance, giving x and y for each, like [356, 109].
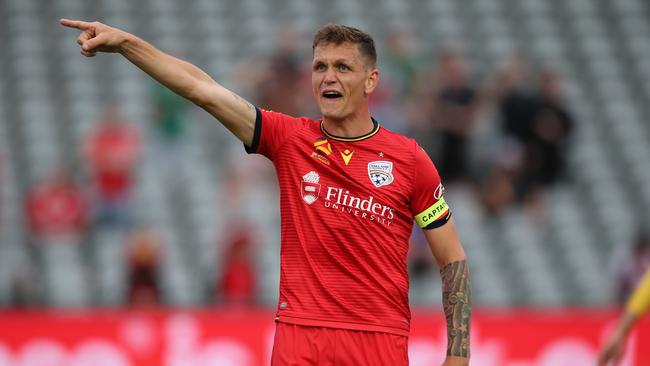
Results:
[432, 214]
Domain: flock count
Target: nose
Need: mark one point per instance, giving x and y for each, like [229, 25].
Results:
[329, 77]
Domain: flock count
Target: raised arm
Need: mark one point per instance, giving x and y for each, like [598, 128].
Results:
[183, 78]
[456, 290]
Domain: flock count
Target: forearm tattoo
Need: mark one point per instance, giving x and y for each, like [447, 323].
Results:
[457, 304]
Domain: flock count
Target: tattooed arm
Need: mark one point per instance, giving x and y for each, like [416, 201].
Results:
[183, 78]
[456, 290]
[457, 304]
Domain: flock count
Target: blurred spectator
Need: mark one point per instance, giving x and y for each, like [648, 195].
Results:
[552, 125]
[499, 189]
[112, 150]
[285, 87]
[516, 104]
[144, 260]
[56, 209]
[454, 106]
[237, 283]
[536, 127]
[400, 64]
[170, 113]
[629, 266]
[24, 291]
[389, 102]
[169, 110]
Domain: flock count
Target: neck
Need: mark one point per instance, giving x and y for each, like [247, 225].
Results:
[352, 126]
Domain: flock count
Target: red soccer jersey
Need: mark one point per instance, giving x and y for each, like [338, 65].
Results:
[347, 208]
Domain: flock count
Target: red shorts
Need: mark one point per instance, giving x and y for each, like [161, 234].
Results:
[303, 345]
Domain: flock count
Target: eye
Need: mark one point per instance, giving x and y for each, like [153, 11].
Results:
[343, 67]
[319, 67]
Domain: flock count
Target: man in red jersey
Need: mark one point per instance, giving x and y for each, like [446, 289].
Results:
[349, 192]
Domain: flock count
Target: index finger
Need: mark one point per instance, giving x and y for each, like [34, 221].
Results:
[75, 24]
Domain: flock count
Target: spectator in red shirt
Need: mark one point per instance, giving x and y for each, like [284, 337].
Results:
[56, 209]
[112, 151]
[237, 283]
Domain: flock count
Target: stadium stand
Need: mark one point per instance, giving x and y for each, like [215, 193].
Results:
[50, 97]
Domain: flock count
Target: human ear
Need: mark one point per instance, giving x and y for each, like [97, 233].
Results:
[372, 80]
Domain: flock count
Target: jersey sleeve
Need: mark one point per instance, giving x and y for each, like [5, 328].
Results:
[639, 301]
[271, 130]
[427, 203]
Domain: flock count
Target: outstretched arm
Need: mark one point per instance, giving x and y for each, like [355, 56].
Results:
[637, 305]
[614, 349]
[183, 78]
[456, 290]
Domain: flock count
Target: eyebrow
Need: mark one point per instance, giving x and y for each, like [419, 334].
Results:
[335, 62]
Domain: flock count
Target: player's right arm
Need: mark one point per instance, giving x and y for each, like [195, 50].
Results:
[637, 305]
[183, 78]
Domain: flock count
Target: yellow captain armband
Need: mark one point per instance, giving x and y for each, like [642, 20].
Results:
[639, 302]
[433, 213]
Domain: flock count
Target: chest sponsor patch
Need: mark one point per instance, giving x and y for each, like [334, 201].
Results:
[310, 188]
[380, 173]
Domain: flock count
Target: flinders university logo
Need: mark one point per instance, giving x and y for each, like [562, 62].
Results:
[310, 187]
[380, 173]
[343, 201]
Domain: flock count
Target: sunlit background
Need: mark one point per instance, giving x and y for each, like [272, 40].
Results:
[116, 194]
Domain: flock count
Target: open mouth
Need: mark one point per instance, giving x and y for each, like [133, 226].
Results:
[331, 95]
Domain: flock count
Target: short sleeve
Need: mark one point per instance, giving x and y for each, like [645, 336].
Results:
[271, 130]
[427, 204]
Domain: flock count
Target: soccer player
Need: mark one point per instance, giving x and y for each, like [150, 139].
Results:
[637, 305]
[349, 193]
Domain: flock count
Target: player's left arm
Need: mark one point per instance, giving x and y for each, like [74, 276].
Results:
[456, 290]
[432, 214]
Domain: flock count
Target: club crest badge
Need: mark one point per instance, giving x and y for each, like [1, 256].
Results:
[380, 173]
[310, 188]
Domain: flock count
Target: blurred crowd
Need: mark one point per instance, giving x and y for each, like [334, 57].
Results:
[503, 132]
[70, 207]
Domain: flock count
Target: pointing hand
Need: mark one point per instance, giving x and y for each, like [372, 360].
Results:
[96, 37]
